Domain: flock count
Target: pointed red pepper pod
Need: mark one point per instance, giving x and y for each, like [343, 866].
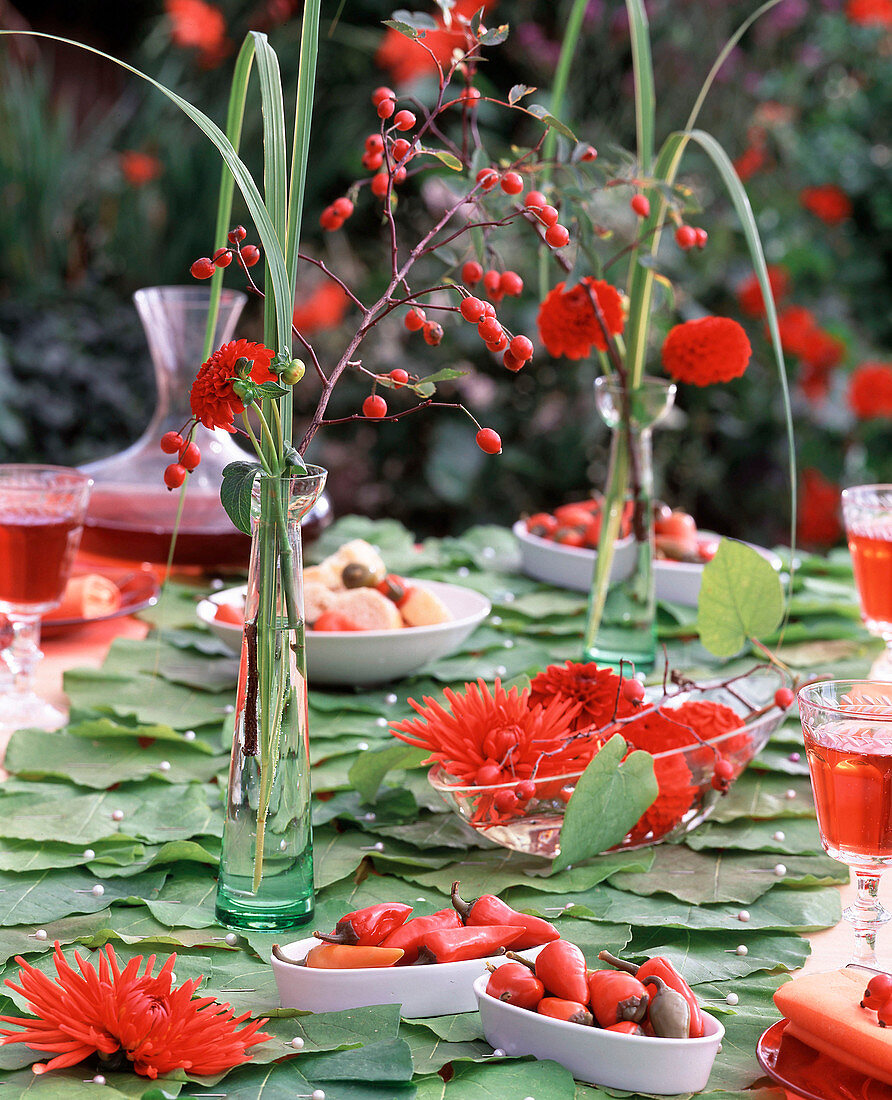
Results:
[516, 984]
[661, 967]
[409, 936]
[488, 909]
[573, 1012]
[561, 967]
[457, 944]
[368, 927]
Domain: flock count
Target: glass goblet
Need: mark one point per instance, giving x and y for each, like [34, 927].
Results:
[41, 515]
[867, 512]
[847, 728]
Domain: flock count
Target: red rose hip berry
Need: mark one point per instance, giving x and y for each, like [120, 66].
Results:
[203, 268]
[487, 178]
[472, 310]
[640, 205]
[557, 235]
[190, 456]
[171, 442]
[404, 120]
[249, 255]
[511, 283]
[489, 441]
[633, 690]
[722, 774]
[237, 234]
[432, 333]
[511, 183]
[374, 406]
[471, 273]
[399, 377]
[415, 319]
[174, 475]
[783, 698]
[521, 348]
[685, 237]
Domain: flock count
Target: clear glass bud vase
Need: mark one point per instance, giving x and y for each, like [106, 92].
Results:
[266, 868]
[622, 606]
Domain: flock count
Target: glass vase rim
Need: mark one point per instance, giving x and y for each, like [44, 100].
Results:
[849, 492]
[313, 473]
[198, 293]
[648, 382]
[865, 709]
[75, 477]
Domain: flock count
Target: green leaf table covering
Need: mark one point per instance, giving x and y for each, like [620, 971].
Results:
[130, 747]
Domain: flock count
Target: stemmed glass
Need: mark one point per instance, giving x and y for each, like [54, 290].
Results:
[41, 516]
[847, 726]
[867, 512]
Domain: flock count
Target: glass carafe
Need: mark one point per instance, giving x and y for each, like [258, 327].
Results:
[132, 515]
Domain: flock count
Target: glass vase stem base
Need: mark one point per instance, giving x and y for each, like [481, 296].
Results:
[612, 647]
[867, 916]
[242, 912]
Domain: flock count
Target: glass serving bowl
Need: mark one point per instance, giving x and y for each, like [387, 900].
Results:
[684, 775]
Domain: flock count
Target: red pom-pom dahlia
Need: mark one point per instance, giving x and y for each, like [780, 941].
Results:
[567, 322]
[870, 392]
[212, 398]
[710, 349]
[158, 1028]
[596, 690]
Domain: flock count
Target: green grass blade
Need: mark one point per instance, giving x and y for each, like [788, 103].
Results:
[245, 182]
[645, 96]
[303, 113]
[562, 74]
[235, 115]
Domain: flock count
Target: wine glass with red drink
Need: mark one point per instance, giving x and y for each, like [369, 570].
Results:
[41, 515]
[847, 727]
[867, 511]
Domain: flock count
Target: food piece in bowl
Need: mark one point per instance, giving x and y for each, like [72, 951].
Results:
[366, 608]
[332, 620]
[317, 599]
[229, 613]
[357, 552]
[325, 574]
[420, 607]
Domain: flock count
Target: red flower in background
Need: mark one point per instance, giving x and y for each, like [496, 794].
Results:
[138, 168]
[752, 160]
[710, 349]
[197, 25]
[212, 398]
[870, 392]
[795, 324]
[158, 1028]
[406, 60]
[749, 293]
[829, 203]
[870, 13]
[597, 690]
[818, 523]
[324, 308]
[820, 353]
[567, 322]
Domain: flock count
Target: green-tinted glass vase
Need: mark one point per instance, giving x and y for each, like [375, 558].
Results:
[266, 867]
[621, 622]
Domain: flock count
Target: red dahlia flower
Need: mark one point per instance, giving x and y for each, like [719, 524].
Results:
[870, 392]
[406, 60]
[596, 690]
[818, 523]
[749, 293]
[158, 1028]
[796, 325]
[323, 308]
[138, 168]
[197, 25]
[829, 203]
[212, 397]
[870, 13]
[567, 322]
[711, 349]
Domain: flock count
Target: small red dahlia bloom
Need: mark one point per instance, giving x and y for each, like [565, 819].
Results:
[567, 322]
[138, 168]
[406, 60]
[870, 392]
[158, 1028]
[829, 203]
[323, 308]
[710, 349]
[818, 524]
[795, 325]
[596, 690]
[870, 13]
[212, 398]
[749, 293]
[195, 24]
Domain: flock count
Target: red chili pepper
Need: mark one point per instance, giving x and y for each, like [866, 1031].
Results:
[410, 935]
[455, 944]
[368, 927]
[561, 966]
[341, 956]
[660, 967]
[615, 996]
[572, 1011]
[489, 909]
[626, 1027]
[516, 984]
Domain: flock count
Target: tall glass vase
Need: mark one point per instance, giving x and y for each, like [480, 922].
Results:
[266, 867]
[621, 621]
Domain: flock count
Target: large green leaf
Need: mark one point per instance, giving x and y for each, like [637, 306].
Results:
[740, 598]
[610, 797]
[711, 956]
[41, 896]
[789, 837]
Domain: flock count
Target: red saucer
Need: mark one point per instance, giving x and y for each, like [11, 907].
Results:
[810, 1074]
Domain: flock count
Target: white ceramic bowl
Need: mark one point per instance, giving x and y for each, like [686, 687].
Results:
[435, 990]
[355, 657]
[636, 1063]
[573, 567]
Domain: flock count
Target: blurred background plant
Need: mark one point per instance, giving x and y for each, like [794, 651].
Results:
[105, 188]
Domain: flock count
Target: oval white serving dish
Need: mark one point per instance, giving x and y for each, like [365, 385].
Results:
[438, 989]
[359, 657]
[631, 1062]
[573, 567]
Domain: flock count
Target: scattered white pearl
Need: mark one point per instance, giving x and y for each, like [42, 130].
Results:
[98, 1079]
[297, 1043]
[780, 869]
[231, 938]
[228, 709]
[317, 1094]
[89, 854]
[390, 698]
[369, 816]
[378, 846]
[173, 978]
[117, 815]
[463, 571]
[508, 597]
[362, 746]
[40, 934]
[743, 915]
[189, 735]
[421, 899]
[742, 950]
[795, 757]
[508, 643]
[283, 844]
[164, 766]
[791, 793]
[488, 552]
[500, 670]
[382, 722]
[98, 890]
[498, 1053]
[719, 1051]
[569, 905]
[216, 584]
[495, 620]
[779, 835]
[732, 999]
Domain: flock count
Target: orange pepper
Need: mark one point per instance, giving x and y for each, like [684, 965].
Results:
[342, 956]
